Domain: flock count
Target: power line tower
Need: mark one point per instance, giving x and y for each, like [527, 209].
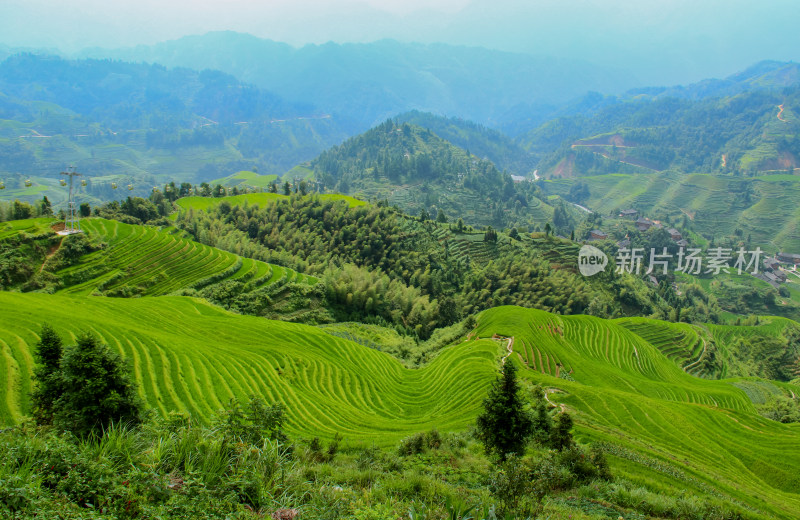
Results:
[71, 223]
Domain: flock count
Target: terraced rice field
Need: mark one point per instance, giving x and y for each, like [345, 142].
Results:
[193, 357]
[623, 390]
[682, 343]
[688, 434]
[147, 261]
[31, 226]
[713, 202]
[246, 178]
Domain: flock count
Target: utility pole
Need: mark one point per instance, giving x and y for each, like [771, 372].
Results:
[71, 223]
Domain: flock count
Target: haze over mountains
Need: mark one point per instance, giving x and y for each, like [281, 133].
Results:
[660, 43]
[366, 83]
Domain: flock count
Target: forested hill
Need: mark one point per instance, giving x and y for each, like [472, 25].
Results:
[419, 171]
[749, 132]
[479, 140]
[141, 122]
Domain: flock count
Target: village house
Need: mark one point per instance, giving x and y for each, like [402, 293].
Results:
[628, 213]
[596, 234]
[644, 224]
[674, 234]
[624, 243]
[771, 263]
[769, 278]
[682, 243]
[788, 258]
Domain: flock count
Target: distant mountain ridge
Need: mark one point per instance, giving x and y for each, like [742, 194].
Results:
[422, 173]
[764, 75]
[479, 140]
[135, 123]
[367, 83]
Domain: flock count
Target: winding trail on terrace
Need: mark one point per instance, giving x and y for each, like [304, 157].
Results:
[53, 250]
[780, 113]
[509, 348]
[547, 393]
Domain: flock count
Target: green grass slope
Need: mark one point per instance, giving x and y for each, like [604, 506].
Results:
[666, 426]
[245, 179]
[190, 356]
[262, 199]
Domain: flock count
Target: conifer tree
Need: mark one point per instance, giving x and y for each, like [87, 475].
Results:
[560, 436]
[90, 388]
[48, 354]
[504, 426]
[542, 423]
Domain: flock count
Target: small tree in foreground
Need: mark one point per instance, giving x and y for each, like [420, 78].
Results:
[46, 391]
[94, 388]
[504, 426]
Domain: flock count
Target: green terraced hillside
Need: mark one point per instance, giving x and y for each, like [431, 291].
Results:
[32, 226]
[684, 344]
[698, 435]
[144, 260]
[132, 260]
[662, 426]
[190, 356]
[764, 208]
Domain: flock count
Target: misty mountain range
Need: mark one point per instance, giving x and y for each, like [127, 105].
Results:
[225, 101]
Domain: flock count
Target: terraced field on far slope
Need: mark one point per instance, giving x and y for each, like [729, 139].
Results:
[764, 207]
[143, 260]
[206, 203]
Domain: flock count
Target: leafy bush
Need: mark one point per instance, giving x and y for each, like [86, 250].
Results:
[420, 443]
[253, 422]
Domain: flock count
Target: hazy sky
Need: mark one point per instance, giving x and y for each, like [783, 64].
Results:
[666, 41]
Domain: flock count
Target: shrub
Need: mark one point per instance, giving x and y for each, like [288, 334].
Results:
[420, 443]
[252, 423]
[560, 435]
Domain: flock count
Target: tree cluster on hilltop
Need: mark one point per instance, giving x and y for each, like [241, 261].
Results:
[419, 171]
[376, 261]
